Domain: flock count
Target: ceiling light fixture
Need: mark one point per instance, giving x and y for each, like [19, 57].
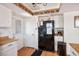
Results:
[44, 4]
[35, 4]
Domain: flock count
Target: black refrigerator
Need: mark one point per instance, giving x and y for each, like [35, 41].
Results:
[46, 36]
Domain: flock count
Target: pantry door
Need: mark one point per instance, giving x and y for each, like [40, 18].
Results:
[31, 32]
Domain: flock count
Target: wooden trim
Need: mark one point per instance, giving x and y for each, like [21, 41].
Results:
[46, 11]
[24, 7]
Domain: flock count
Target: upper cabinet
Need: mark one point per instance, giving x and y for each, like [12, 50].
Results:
[5, 16]
[59, 21]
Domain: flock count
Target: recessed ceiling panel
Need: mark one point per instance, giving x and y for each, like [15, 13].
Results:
[42, 6]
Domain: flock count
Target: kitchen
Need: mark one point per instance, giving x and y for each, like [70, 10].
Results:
[18, 31]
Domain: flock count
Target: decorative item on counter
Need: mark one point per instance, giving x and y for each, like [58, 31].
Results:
[59, 33]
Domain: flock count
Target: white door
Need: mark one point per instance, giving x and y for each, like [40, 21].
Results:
[31, 32]
[17, 31]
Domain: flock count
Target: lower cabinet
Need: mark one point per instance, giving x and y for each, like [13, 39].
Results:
[9, 49]
[57, 38]
[73, 52]
[20, 44]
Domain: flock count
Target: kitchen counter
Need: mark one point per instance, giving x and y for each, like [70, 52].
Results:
[75, 46]
[8, 46]
[6, 40]
[58, 37]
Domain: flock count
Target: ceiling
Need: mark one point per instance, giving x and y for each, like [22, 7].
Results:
[39, 8]
[36, 7]
[22, 10]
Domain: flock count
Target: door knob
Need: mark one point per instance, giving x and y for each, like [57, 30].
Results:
[32, 34]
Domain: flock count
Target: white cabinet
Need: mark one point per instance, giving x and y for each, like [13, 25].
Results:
[57, 38]
[72, 52]
[5, 17]
[59, 21]
[9, 49]
[20, 43]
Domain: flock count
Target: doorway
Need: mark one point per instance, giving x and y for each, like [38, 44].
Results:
[46, 36]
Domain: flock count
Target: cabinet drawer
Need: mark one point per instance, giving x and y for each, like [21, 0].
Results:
[10, 52]
[73, 53]
[57, 38]
[8, 46]
[5, 15]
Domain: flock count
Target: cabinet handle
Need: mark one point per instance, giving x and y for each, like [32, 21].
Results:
[10, 45]
[73, 53]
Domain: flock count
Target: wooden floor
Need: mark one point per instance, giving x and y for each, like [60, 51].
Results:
[28, 52]
[47, 53]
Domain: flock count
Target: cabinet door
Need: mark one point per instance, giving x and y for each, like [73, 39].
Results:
[20, 43]
[57, 38]
[59, 21]
[10, 52]
[5, 17]
[56, 21]
[9, 49]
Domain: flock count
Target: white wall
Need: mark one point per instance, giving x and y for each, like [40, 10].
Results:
[71, 34]
[68, 7]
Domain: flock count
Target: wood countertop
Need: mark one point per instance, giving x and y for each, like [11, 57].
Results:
[75, 46]
[6, 40]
